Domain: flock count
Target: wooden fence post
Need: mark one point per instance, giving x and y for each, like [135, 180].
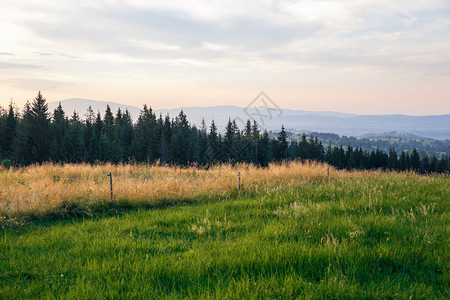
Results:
[110, 183]
[328, 173]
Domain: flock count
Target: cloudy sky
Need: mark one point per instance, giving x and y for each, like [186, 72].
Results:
[369, 56]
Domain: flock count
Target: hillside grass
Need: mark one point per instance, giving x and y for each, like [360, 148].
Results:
[350, 237]
[52, 189]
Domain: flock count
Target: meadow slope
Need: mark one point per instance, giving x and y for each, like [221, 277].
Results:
[357, 235]
[39, 190]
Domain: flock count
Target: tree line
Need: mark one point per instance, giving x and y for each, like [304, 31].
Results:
[400, 142]
[37, 135]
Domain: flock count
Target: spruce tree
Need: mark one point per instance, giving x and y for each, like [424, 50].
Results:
[146, 136]
[108, 124]
[256, 137]
[88, 134]
[94, 148]
[329, 155]
[239, 150]
[194, 147]
[166, 136]
[202, 143]
[392, 163]
[415, 160]
[127, 136]
[425, 164]
[22, 142]
[179, 146]
[228, 141]
[213, 152]
[59, 125]
[117, 147]
[75, 146]
[282, 145]
[293, 150]
[402, 161]
[434, 164]
[40, 129]
[265, 154]
[8, 131]
[303, 148]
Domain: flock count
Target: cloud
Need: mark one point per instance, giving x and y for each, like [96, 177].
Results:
[258, 40]
[14, 66]
[34, 83]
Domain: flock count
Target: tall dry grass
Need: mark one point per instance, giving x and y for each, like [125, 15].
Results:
[41, 189]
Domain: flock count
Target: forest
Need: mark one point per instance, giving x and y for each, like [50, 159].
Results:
[37, 135]
[398, 141]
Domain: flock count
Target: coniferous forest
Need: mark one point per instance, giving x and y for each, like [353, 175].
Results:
[38, 135]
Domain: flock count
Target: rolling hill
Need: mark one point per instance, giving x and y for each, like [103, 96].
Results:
[435, 126]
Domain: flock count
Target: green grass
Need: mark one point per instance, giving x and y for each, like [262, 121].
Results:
[364, 238]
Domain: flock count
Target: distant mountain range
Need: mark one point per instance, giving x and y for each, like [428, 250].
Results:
[271, 118]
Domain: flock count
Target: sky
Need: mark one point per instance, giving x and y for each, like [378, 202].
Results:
[365, 57]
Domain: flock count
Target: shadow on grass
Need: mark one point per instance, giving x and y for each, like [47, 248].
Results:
[74, 212]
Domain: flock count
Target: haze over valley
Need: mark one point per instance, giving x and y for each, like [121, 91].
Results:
[434, 126]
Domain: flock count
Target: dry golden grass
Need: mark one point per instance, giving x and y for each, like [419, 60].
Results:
[41, 189]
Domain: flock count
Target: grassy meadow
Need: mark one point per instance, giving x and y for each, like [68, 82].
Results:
[184, 233]
[40, 190]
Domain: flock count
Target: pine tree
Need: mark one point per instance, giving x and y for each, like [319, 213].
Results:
[75, 146]
[341, 159]
[434, 164]
[117, 145]
[248, 129]
[443, 165]
[392, 163]
[88, 134]
[293, 150]
[94, 149]
[282, 145]
[256, 137]
[22, 142]
[127, 136]
[329, 155]
[316, 151]
[408, 161]
[194, 148]
[228, 141]
[166, 136]
[415, 160]
[361, 160]
[403, 162]
[108, 124]
[213, 151]
[350, 158]
[98, 125]
[104, 148]
[59, 125]
[319, 150]
[303, 148]
[8, 131]
[40, 129]
[147, 140]
[202, 143]
[265, 154]
[425, 164]
[239, 152]
[179, 144]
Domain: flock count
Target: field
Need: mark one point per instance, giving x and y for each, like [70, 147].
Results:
[40, 190]
[184, 233]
